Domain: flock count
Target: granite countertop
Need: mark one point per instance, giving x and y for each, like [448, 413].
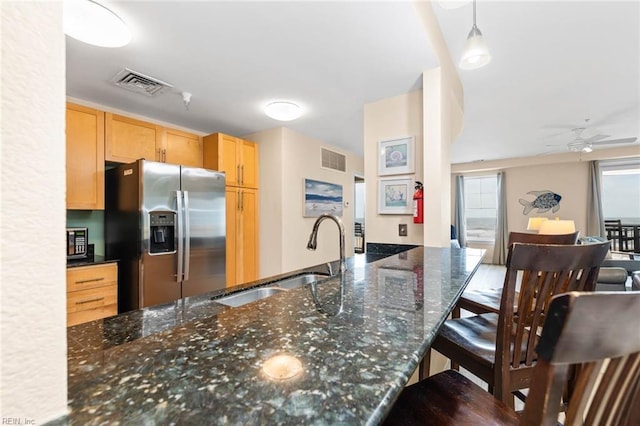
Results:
[96, 260]
[358, 339]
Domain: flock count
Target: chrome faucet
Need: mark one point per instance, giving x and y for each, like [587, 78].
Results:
[313, 243]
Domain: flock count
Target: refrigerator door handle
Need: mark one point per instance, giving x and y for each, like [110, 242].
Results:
[180, 220]
[187, 236]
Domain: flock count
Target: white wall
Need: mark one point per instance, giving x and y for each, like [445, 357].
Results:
[391, 118]
[286, 158]
[33, 281]
[564, 174]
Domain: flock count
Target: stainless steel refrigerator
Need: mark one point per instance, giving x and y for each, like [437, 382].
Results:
[165, 224]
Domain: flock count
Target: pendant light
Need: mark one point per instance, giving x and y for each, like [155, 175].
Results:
[476, 53]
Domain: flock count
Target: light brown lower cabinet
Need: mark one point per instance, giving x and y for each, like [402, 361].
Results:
[92, 292]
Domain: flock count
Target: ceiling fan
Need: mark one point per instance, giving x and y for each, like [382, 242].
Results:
[582, 144]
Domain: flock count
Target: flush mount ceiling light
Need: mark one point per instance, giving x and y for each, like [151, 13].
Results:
[92, 23]
[452, 4]
[476, 53]
[283, 110]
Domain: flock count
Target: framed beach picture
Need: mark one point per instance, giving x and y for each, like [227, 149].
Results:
[395, 196]
[322, 197]
[396, 156]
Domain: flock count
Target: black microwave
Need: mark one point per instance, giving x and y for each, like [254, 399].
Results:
[77, 243]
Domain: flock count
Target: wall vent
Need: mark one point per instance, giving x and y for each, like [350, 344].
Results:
[334, 160]
[139, 83]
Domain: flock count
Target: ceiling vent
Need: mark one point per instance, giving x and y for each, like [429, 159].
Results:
[334, 160]
[138, 82]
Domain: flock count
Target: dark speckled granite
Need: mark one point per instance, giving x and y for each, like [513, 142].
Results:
[198, 362]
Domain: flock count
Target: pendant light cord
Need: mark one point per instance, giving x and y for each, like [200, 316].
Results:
[474, 13]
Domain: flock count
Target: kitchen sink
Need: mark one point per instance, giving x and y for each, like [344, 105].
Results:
[248, 296]
[299, 280]
[285, 284]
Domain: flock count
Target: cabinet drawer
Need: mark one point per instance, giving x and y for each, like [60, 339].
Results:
[87, 277]
[83, 300]
[75, 318]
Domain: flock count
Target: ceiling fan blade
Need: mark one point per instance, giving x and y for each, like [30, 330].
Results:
[595, 138]
[616, 141]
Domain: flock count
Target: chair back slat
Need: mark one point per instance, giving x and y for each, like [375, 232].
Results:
[526, 238]
[545, 270]
[578, 336]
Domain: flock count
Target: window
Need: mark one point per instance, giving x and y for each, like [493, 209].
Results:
[621, 190]
[481, 207]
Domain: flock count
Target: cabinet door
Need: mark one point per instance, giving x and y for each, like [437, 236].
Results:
[221, 153]
[182, 148]
[231, 239]
[128, 140]
[249, 234]
[248, 164]
[85, 158]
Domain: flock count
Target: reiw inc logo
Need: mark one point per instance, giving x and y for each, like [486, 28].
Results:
[16, 421]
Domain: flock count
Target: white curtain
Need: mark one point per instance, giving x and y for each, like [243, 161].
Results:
[458, 220]
[501, 239]
[595, 217]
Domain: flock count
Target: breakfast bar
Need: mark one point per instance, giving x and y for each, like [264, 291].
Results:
[334, 352]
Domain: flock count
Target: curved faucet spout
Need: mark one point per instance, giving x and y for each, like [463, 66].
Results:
[313, 238]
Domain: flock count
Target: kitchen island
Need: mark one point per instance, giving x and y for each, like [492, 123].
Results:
[357, 337]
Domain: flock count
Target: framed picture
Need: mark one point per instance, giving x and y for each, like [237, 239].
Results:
[395, 196]
[396, 156]
[322, 197]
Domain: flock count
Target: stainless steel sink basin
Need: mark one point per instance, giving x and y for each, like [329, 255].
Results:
[300, 280]
[249, 296]
[284, 284]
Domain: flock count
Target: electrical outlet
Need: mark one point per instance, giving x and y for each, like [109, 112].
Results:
[402, 229]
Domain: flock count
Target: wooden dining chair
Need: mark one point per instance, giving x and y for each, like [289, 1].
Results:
[617, 234]
[595, 332]
[499, 348]
[481, 301]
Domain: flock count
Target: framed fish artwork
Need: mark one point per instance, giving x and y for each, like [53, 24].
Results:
[543, 202]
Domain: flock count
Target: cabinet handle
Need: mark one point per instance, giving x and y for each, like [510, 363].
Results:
[238, 201]
[159, 156]
[95, 299]
[238, 173]
[242, 170]
[242, 198]
[89, 280]
[164, 155]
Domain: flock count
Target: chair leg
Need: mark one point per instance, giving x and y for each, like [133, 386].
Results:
[425, 364]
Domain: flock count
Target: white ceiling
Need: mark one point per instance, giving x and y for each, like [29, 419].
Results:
[554, 64]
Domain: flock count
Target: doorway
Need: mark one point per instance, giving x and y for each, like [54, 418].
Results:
[358, 214]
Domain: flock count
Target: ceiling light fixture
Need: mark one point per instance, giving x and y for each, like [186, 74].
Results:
[452, 4]
[92, 23]
[283, 110]
[476, 53]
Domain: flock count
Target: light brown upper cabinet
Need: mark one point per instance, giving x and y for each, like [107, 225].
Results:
[128, 139]
[85, 158]
[237, 157]
[181, 148]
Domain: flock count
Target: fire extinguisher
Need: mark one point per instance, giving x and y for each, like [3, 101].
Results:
[418, 204]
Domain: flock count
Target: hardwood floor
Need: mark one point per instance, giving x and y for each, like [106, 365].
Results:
[488, 276]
